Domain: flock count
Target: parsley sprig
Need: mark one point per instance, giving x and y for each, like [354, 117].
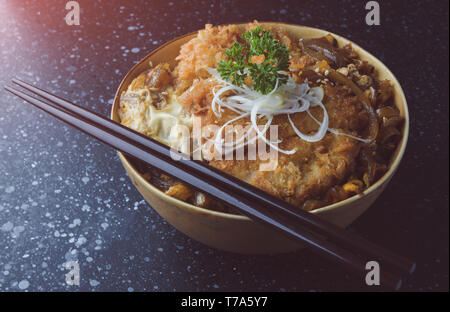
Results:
[260, 57]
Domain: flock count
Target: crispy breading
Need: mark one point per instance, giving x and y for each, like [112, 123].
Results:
[307, 174]
[202, 52]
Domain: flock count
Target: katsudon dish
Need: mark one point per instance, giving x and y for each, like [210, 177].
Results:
[336, 123]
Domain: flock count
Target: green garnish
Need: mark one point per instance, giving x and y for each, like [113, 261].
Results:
[260, 57]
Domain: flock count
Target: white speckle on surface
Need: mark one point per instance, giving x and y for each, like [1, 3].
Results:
[85, 208]
[94, 283]
[130, 289]
[71, 68]
[17, 230]
[24, 284]
[135, 50]
[85, 180]
[104, 225]
[75, 223]
[7, 226]
[81, 240]
[72, 81]
[10, 189]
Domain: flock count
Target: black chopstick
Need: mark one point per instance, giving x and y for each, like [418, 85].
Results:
[279, 221]
[316, 224]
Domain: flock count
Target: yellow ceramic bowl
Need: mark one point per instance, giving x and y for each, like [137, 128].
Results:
[238, 233]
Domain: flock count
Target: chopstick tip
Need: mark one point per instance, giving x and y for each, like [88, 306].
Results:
[413, 268]
[399, 285]
[17, 81]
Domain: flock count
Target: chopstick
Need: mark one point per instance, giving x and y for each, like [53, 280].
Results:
[285, 220]
[309, 220]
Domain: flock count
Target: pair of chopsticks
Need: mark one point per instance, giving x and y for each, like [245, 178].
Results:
[320, 235]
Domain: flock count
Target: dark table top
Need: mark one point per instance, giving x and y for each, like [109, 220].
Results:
[65, 196]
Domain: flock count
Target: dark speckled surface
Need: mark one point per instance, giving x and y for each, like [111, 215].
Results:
[65, 196]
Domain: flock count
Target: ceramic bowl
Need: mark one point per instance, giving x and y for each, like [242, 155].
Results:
[238, 233]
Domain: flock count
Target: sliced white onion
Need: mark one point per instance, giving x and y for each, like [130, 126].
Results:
[319, 134]
[317, 93]
[289, 98]
[261, 135]
[336, 132]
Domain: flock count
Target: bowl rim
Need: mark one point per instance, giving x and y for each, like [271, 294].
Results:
[182, 204]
